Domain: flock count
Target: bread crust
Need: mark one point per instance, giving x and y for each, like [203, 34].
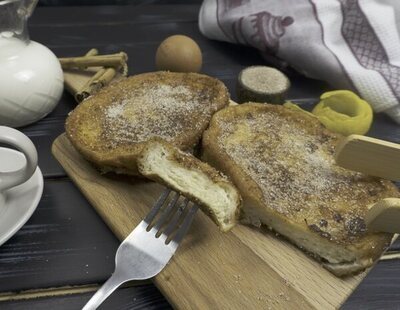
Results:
[337, 227]
[110, 128]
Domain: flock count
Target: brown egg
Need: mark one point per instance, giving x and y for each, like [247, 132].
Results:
[179, 53]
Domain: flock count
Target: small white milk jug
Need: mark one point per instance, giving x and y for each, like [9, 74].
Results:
[31, 78]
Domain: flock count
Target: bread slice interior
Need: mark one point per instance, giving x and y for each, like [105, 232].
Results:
[195, 179]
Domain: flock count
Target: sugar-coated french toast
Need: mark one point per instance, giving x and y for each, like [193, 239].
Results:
[196, 180]
[110, 128]
[283, 165]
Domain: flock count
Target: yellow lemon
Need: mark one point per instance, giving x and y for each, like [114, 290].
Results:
[342, 111]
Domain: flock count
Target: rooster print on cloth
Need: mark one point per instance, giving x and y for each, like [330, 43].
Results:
[351, 44]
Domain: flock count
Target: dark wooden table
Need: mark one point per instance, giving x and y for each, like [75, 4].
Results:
[65, 251]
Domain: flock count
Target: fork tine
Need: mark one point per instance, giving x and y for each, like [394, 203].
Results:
[153, 212]
[186, 224]
[175, 219]
[148, 246]
[166, 213]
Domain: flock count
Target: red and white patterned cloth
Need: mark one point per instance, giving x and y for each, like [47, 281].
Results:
[352, 44]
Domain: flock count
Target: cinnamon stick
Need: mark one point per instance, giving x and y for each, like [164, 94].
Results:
[92, 52]
[107, 76]
[106, 68]
[113, 60]
[124, 70]
[96, 82]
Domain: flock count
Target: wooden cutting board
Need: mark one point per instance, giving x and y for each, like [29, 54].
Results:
[244, 268]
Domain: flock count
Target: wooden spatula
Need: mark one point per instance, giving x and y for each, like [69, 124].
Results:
[377, 158]
[370, 156]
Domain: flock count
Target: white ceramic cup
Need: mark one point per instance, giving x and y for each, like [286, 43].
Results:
[22, 143]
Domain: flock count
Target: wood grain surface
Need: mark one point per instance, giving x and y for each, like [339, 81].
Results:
[127, 298]
[370, 156]
[66, 242]
[384, 216]
[243, 268]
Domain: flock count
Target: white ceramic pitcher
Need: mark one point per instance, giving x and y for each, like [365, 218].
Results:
[31, 78]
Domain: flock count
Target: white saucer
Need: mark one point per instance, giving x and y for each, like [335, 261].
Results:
[20, 202]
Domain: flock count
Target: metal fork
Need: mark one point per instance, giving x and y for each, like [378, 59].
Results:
[149, 247]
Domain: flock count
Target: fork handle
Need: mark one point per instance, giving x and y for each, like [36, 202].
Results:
[105, 290]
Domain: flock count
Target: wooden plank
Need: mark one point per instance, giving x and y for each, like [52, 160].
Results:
[223, 60]
[64, 243]
[49, 292]
[136, 297]
[244, 268]
[42, 135]
[57, 17]
[379, 290]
